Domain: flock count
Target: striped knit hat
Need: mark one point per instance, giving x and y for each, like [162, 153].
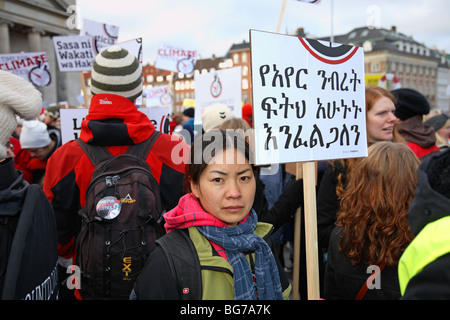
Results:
[117, 71]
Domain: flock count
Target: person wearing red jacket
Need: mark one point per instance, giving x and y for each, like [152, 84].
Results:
[115, 122]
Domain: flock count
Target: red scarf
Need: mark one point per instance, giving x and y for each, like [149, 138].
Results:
[189, 213]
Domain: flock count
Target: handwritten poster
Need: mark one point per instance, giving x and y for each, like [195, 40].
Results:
[220, 86]
[308, 99]
[32, 66]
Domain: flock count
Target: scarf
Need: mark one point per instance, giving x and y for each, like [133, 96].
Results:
[413, 130]
[235, 241]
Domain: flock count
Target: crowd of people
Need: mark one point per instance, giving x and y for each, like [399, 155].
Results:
[212, 211]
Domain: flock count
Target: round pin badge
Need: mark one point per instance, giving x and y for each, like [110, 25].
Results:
[108, 208]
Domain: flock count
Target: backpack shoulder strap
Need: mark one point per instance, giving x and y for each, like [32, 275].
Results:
[183, 263]
[96, 154]
[141, 150]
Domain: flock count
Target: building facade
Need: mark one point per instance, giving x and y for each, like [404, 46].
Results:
[394, 60]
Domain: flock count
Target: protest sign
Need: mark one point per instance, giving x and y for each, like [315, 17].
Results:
[105, 35]
[308, 98]
[220, 86]
[157, 96]
[71, 121]
[175, 59]
[32, 66]
[74, 53]
[309, 105]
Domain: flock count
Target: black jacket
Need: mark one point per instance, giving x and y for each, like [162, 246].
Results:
[28, 254]
[344, 280]
[431, 203]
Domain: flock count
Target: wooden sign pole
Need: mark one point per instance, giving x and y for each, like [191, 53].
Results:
[297, 233]
[83, 88]
[312, 256]
[169, 89]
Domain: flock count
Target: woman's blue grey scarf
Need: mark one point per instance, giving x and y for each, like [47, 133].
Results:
[242, 239]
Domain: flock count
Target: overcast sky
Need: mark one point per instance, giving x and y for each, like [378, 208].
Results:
[212, 26]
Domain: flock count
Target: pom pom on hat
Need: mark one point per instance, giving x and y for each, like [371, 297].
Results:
[115, 70]
[34, 135]
[18, 97]
[410, 103]
[214, 115]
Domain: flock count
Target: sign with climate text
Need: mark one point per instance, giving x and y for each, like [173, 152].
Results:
[32, 66]
[175, 59]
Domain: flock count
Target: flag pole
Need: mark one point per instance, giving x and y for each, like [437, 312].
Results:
[332, 21]
[281, 16]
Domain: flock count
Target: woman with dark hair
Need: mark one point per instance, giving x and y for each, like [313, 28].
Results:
[372, 225]
[216, 224]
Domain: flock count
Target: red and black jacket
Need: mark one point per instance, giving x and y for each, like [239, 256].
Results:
[114, 122]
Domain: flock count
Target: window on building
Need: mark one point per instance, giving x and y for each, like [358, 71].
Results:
[244, 57]
[244, 84]
[375, 67]
[236, 58]
[244, 70]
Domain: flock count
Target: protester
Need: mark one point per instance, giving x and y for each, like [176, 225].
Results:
[381, 126]
[411, 105]
[441, 125]
[216, 215]
[372, 225]
[41, 143]
[214, 115]
[423, 269]
[115, 122]
[52, 117]
[28, 251]
[247, 114]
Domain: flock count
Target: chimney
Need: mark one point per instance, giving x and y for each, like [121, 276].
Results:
[394, 29]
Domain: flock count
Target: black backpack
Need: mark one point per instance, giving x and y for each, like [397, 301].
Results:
[120, 221]
[183, 262]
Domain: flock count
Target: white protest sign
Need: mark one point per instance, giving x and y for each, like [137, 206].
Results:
[134, 46]
[220, 86]
[74, 53]
[105, 35]
[32, 66]
[175, 59]
[308, 99]
[71, 121]
[157, 96]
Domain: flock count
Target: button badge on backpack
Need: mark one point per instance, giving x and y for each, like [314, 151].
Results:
[108, 208]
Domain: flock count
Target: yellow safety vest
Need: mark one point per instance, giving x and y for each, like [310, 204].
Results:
[432, 242]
